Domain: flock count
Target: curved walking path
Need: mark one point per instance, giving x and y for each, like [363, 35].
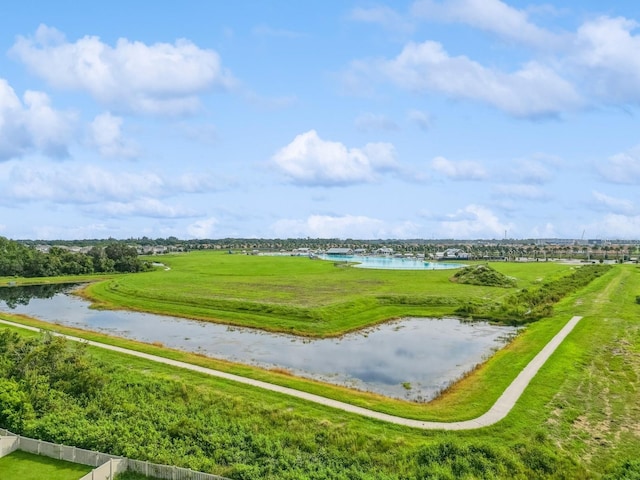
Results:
[497, 412]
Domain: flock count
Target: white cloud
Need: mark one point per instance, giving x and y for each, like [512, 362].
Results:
[548, 230]
[622, 167]
[142, 207]
[521, 192]
[605, 53]
[88, 184]
[203, 228]
[309, 160]
[534, 90]
[372, 121]
[106, 135]
[532, 171]
[160, 78]
[50, 232]
[463, 170]
[613, 204]
[616, 226]
[384, 16]
[492, 16]
[32, 126]
[347, 226]
[421, 119]
[473, 221]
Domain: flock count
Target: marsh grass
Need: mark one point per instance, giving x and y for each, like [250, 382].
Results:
[299, 296]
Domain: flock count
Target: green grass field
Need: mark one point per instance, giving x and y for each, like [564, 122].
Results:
[298, 295]
[578, 419]
[26, 466]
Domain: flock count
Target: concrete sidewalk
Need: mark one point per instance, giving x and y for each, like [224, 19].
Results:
[497, 412]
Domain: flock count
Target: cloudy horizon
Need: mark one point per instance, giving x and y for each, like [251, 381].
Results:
[428, 119]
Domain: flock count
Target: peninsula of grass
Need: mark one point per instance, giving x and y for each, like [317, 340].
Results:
[577, 419]
[21, 465]
[301, 296]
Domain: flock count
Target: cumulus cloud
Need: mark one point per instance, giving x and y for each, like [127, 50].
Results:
[32, 125]
[605, 51]
[346, 226]
[473, 221]
[310, 160]
[492, 16]
[463, 170]
[371, 122]
[132, 76]
[203, 228]
[595, 64]
[105, 133]
[534, 90]
[623, 167]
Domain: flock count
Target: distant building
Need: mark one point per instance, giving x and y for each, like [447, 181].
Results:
[340, 251]
[452, 253]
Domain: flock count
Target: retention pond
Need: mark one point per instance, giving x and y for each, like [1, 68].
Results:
[413, 358]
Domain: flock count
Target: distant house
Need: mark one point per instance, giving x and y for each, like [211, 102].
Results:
[360, 251]
[340, 251]
[452, 253]
[384, 251]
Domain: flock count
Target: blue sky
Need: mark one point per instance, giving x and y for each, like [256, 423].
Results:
[408, 119]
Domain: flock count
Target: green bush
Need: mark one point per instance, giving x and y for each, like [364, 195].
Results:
[483, 275]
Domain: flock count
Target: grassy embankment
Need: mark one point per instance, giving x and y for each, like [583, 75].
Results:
[300, 296]
[260, 278]
[26, 466]
[578, 419]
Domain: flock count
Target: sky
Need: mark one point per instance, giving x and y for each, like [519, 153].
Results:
[466, 119]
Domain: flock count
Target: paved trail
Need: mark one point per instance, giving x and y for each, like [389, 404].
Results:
[497, 412]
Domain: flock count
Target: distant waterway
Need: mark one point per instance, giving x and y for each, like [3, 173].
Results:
[391, 263]
[413, 358]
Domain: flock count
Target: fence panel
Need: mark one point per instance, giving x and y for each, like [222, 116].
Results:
[11, 442]
[50, 450]
[8, 445]
[29, 445]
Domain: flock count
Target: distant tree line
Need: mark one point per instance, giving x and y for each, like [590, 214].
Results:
[18, 259]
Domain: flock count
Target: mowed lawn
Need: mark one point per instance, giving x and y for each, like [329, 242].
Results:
[21, 465]
[299, 295]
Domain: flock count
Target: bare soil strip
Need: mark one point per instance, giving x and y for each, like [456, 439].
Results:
[497, 412]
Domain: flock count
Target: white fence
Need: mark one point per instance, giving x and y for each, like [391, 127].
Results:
[107, 466]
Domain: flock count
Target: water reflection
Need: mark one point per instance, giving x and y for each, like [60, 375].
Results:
[13, 296]
[413, 358]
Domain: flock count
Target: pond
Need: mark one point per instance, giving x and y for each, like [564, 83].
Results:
[391, 263]
[413, 358]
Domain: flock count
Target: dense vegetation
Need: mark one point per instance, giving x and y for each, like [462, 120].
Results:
[483, 274]
[20, 260]
[577, 419]
[55, 391]
[530, 304]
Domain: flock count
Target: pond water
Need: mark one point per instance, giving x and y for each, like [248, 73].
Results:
[413, 358]
[392, 263]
